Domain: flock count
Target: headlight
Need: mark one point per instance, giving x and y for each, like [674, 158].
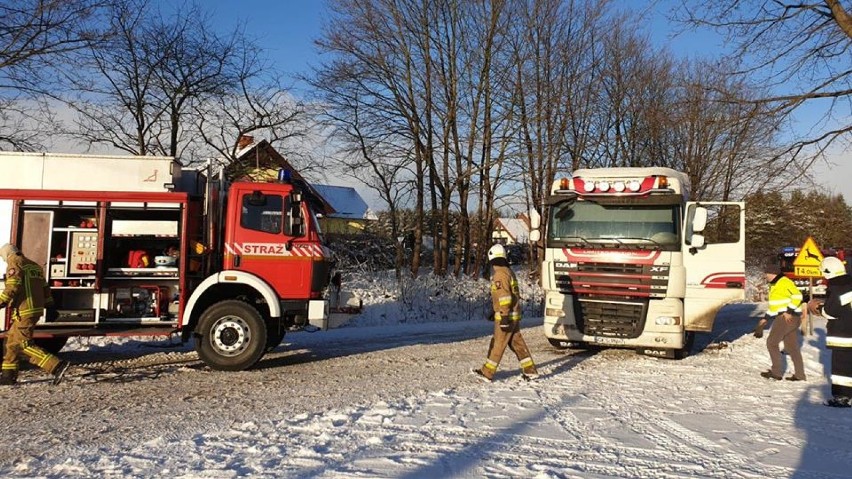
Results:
[554, 312]
[667, 320]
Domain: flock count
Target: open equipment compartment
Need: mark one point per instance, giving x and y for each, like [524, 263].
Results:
[142, 259]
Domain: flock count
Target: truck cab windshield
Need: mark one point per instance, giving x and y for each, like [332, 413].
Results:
[586, 223]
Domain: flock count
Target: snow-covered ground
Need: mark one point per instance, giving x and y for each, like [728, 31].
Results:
[395, 399]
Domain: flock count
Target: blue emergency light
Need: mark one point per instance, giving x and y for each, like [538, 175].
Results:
[284, 175]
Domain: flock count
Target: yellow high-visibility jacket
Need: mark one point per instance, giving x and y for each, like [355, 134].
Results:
[783, 296]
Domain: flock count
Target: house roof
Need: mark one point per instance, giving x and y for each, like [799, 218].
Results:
[260, 161]
[346, 201]
[517, 228]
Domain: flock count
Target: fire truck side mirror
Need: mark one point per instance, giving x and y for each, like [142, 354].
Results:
[295, 218]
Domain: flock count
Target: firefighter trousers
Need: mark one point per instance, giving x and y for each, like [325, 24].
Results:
[841, 372]
[19, 341]
[515, 341]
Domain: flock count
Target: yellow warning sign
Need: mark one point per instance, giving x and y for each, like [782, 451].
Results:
[809, 255]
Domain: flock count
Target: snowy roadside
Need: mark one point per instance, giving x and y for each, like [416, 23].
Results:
[395, 401]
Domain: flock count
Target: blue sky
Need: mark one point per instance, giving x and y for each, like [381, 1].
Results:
[287, 30]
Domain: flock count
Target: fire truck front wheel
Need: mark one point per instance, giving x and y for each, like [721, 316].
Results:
[230, 336]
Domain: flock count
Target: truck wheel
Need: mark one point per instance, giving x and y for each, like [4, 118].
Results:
[52, 345]
[559, 343]
[688, 342]
[274, 336]
[230, 336]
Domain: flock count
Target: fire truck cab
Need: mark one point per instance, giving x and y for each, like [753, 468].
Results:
[138, 246]
[629, 262]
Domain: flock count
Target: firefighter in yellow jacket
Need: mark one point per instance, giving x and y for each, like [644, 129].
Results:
[507, 319]
[27, 294]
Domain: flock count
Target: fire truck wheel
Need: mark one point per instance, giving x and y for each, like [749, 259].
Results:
[274, 336]
[230, 336]
[51, 345]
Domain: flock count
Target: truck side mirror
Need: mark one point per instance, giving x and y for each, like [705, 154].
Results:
[699, 220]
[535, 219]
[696, 241]
[295, 219]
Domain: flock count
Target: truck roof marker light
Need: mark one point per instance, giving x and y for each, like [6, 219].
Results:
[662, 182]
[284, 175]
[589, 186]
[563, 184]
[603, 185]
[634, 185]
[618, 186]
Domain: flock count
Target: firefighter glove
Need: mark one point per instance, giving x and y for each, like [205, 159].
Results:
[814, 306]
[51, 314]
[506, 324]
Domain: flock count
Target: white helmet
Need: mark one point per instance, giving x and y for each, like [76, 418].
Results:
[7, 250]
[496, 251]
[832, 267]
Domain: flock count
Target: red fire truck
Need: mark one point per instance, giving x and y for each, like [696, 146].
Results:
[138, 246]
[629, 262]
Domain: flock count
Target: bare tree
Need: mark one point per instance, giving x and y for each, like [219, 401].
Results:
[726, 146]
[258, 105]
[798, 50]
[36, 38]
[151, 75]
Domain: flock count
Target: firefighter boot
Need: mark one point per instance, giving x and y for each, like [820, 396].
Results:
[478, 374]
[8, 377]
[59, 371]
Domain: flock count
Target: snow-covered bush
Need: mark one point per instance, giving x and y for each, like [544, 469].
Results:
[430, 298]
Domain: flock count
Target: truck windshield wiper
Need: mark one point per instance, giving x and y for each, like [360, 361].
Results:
[621, 241]
[572, 238]
[640, 239]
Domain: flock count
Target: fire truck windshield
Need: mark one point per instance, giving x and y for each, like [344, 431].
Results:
[625, 225]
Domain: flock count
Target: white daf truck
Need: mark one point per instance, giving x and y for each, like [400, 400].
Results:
[629, 262]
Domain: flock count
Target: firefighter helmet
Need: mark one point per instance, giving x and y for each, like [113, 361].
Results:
[496, 251]
[7, 250]
[831, 267]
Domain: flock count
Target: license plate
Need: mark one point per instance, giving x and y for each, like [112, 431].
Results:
[605, 340]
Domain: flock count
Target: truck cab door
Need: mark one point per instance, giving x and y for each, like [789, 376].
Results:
[714, 260]
[261, 242]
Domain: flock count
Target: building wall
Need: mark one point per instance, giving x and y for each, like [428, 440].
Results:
[502, 237]
[342, 225]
